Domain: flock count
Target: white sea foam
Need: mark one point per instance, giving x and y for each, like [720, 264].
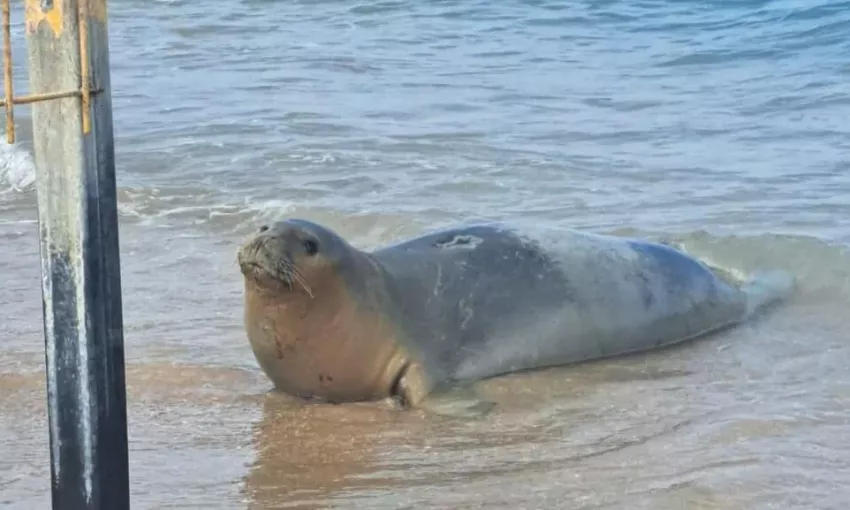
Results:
[17, 169]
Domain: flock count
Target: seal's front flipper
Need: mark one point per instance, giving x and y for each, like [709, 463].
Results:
[457, 402]
[414, 389]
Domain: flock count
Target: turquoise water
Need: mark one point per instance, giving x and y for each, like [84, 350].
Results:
[722, 123]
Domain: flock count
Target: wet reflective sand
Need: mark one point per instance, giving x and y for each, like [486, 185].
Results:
[753, 418]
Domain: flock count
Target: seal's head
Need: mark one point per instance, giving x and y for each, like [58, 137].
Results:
[313, 314]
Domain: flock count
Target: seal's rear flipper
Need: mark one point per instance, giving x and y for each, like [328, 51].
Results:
[767, 287]
[762, 288]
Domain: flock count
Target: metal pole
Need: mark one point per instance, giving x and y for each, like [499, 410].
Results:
[7, 73]
[78, 223]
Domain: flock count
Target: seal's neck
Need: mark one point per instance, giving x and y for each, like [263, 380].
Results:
[335, 345]
[391, 292]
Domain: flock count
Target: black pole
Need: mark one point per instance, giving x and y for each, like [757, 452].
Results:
[78, 224]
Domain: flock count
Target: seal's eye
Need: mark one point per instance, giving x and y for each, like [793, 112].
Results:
[311, 247]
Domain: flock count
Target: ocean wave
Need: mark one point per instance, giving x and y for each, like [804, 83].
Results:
[17, 168]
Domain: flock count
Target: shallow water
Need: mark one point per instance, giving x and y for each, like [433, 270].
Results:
[721, 124]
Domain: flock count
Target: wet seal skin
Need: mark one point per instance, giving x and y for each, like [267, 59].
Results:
[420, 320]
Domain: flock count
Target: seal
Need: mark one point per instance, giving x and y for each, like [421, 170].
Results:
[416, 318]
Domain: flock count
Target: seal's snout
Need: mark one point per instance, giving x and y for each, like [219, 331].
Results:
[277, 253]
[263, 255]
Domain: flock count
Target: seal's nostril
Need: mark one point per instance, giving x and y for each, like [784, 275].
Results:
[263, 228]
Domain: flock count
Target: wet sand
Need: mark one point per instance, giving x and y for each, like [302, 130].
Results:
[751, 418]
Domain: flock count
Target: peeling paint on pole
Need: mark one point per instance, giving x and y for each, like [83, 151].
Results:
[45, 11]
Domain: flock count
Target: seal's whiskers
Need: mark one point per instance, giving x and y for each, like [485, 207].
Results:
[300, 279]
[283, 270]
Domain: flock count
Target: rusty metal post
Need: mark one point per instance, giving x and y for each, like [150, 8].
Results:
[78, 224]
[8, 92]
